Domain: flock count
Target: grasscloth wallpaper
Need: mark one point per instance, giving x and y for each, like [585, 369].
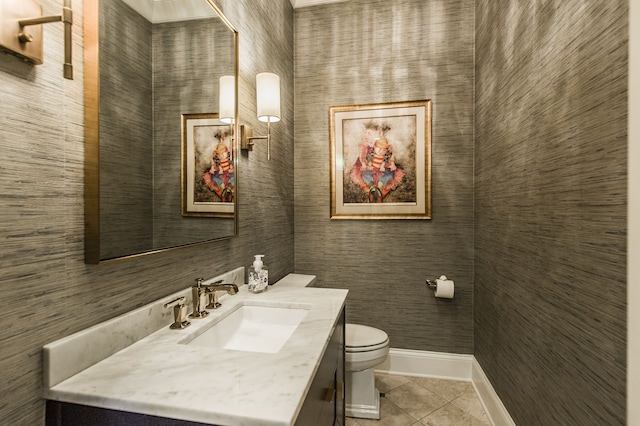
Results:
[141, 106]
[126, 131]
[529, 183]
[550, 208]
[210, 54]
[47, 290]
[364, 52]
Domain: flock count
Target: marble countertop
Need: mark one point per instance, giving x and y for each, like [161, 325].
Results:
[158, 375]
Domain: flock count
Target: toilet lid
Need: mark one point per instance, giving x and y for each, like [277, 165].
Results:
[364, 338]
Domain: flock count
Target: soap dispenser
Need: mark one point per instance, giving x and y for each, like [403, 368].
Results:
[258, 275]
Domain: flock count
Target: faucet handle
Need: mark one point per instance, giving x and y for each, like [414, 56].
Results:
[213, 297]
[179, 313]
[213, 301]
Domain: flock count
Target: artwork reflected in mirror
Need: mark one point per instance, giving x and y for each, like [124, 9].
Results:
[208, 171]
[157, 62]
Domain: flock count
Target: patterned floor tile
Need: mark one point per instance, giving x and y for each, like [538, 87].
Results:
[390, 415]
[448, 389]
[415, 400]
[420, 401]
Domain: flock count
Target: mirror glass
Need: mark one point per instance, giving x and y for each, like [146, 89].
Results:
[159, 161]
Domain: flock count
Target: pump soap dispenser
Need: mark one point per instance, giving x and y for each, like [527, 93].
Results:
[258, 275]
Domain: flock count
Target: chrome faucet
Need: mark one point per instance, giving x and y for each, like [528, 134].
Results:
[200, 292]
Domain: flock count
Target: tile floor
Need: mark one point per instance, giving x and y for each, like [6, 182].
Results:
[421, 401]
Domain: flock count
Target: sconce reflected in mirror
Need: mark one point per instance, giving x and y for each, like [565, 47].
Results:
[267, 108]
[227, 99]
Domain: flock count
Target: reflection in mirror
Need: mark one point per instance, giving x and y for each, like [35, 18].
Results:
[157, 63]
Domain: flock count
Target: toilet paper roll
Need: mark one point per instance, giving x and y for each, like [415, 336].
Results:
[444, 289]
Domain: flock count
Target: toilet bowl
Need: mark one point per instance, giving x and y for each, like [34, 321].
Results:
[365, 348]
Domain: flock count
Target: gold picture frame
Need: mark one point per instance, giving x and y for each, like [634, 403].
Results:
[381, 160]
[208, 168]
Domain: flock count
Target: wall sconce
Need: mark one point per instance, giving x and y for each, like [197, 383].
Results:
[17, 15]
[268, 110]
[227, 111]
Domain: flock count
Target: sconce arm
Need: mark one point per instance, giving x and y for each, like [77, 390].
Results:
[247, 138]
[25, 39]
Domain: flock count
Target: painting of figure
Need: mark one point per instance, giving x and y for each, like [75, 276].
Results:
[208, 167]
[381, 161]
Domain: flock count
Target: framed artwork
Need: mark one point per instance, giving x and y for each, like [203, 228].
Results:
[381, 161]
[208, 169]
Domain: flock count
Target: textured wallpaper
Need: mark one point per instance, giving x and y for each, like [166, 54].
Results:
[188, 59]
[126, 131]
[151, 75]
[550, 203]
[48, 291]
[363, 52]
[544, 304]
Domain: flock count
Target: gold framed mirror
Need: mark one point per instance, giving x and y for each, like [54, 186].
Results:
[147, 65]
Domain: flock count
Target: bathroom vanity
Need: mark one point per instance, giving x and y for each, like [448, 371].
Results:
[166, 377]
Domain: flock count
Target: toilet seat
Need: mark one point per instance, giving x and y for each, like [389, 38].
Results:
[362, 338]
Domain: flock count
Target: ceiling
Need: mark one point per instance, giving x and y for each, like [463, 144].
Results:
[157, 11]
[178, 10]
[304, 3]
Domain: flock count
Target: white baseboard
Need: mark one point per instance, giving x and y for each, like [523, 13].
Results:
[449, 366]
[496, 411]
[440, 365]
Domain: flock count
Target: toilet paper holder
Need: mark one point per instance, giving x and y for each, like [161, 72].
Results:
[432, 283]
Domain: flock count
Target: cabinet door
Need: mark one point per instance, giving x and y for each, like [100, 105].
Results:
[340, 373]
[324, 404]
[68, 414]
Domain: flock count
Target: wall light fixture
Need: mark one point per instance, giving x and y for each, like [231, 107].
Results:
[227, 99]
[268, 110]
[21, 31]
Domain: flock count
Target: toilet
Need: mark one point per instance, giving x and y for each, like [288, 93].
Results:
[365, 348]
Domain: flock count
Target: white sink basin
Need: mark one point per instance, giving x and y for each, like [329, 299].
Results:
[252, 328]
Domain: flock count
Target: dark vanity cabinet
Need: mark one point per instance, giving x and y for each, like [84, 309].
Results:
[67, 414]
[324, 405]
